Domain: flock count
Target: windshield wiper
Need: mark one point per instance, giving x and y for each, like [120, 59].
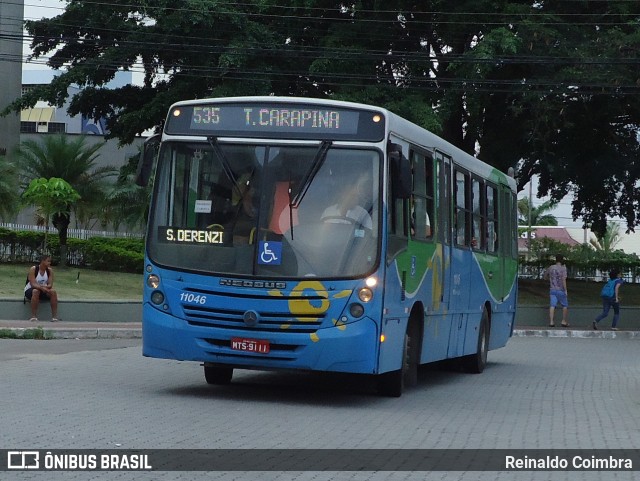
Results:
[317, 162]
[213, 142]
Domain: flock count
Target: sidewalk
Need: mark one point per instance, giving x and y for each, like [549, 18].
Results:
[133, 330]
[77, 330]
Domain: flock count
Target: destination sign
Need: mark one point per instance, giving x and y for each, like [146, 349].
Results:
[189, 236]
[276, 120]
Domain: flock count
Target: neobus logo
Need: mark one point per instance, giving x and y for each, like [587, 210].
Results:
[258, 284]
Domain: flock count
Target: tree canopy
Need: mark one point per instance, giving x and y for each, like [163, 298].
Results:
[548, 87]
[52, 197]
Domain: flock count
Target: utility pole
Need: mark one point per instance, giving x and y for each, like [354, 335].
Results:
[529, 218]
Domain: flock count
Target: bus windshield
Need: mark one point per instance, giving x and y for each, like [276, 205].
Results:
[267, 210]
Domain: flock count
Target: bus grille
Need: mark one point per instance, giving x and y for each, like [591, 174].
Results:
[273, 314]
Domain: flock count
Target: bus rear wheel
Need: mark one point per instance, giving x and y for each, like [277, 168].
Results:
[475, 363]
[217, 374]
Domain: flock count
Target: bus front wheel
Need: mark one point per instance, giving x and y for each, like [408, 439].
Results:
[475, 363]
[217, 374]
[393, 383]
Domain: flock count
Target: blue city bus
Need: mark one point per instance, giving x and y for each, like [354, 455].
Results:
[315, 235]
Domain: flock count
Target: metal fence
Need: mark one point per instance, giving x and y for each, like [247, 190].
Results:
[72, 233]
[595, 275]
[21, 252]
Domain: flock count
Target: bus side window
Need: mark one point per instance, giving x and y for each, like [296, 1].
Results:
[399, 208]
[478, 237]
[492, 219]
[462, 209]
[421, 207]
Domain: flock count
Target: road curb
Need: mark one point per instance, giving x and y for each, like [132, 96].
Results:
[79, 333]
[583, 334]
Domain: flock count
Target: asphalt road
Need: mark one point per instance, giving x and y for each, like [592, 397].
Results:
[12, 349]
[550, 393]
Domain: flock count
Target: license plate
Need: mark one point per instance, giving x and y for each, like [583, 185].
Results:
[250, 345]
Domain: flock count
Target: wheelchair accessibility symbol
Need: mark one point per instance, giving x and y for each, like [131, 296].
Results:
[270, 253]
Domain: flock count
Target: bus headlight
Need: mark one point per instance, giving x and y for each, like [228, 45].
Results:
[153, 281]
[157, 297]
[365, 294]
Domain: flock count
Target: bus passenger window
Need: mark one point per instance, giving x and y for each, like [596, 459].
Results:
[477, 226]
[421, 202]
[492, 219]
[462, 215]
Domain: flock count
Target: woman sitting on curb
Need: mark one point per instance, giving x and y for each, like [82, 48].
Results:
[40, 287]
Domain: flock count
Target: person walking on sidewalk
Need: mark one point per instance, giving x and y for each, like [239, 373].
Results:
[40, 287]
[610, 298]
[557, 275]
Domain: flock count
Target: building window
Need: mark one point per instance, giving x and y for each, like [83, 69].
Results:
[57, 128]
[28, 127]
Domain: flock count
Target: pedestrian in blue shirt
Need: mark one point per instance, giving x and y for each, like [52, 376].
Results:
[610, 298]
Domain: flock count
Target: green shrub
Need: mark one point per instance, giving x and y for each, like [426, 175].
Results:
[35, 333]
[121, 255]
[102, 253]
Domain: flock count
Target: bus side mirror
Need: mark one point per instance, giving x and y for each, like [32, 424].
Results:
[400, 173]
[147, 159]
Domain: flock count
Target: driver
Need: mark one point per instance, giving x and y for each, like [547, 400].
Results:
[246, 212]
[347, 209]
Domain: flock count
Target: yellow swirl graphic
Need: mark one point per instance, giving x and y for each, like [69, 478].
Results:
[304, 306]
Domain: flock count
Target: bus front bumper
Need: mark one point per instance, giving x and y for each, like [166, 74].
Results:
[351, 348]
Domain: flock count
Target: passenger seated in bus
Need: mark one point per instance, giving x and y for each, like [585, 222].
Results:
[417, 230]
[347, 209]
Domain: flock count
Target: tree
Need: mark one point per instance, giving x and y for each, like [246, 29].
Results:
[606, 242]
[73, 161]
[9, 195]
[128, 203]
[539, 214]
[549, 87]
[52, 197]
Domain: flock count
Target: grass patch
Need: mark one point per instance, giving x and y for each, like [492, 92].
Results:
[90, 285]
[35, 333]
[581, 293]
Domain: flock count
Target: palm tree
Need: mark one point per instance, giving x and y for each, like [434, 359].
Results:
[70, 159]
[606, 242]
[539, 214]
[128, 203]
[9, 196]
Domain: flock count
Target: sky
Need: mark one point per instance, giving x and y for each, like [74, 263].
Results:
[35, 10]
